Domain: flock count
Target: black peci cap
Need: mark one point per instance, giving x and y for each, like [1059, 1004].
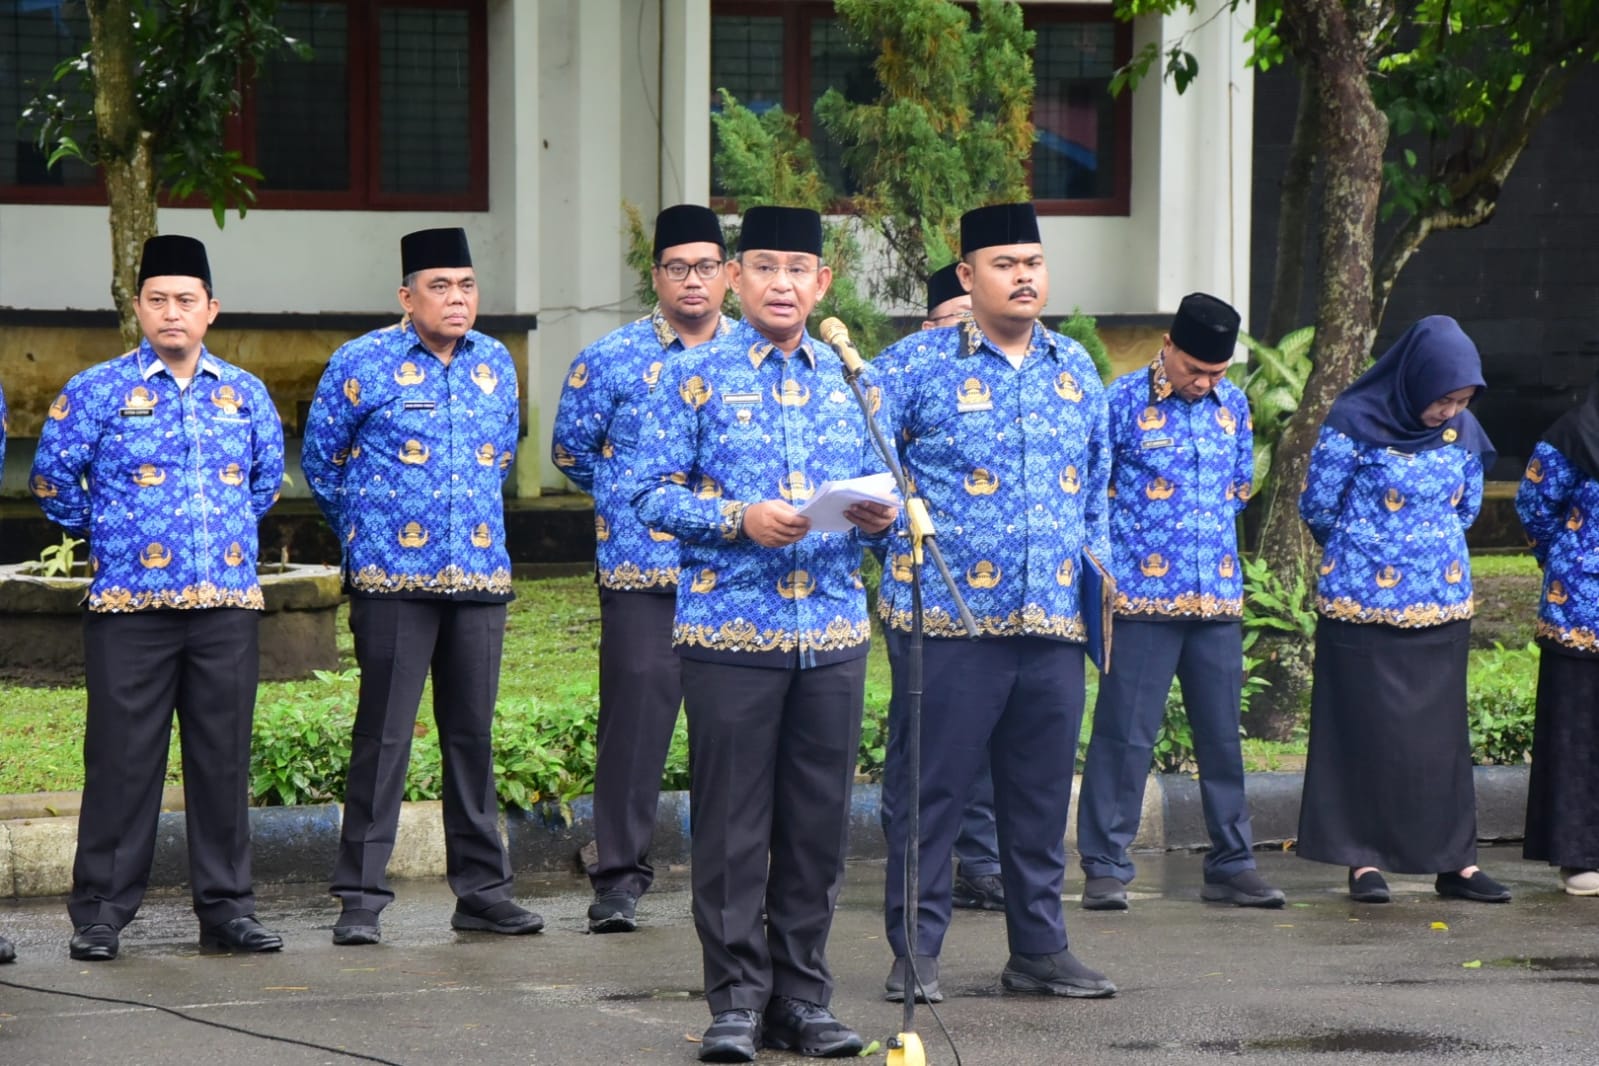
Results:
[434, 249]
[1205, 327]
[687, 224]
[943, 284]
[171, 255]
[781, 229]
[986, 227]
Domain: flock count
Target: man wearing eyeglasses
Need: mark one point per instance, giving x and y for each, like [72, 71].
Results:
[596, 428]
[772, 631]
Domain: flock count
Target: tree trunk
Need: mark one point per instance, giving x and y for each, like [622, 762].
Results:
[1354, 132]
[125, 154]
[1293, 215]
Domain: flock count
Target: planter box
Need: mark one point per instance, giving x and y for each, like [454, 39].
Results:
[41, 623]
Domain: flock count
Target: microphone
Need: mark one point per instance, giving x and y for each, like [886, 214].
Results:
[836, 334]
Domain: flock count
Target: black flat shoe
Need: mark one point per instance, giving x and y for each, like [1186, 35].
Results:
[241, 934]
[1369, 887]
[1479, 887]
[732, 1037]
[504, 917]
[809, 1028]
[613, 912]
[94, 943]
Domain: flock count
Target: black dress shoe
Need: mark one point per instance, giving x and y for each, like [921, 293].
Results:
[7, 952]
[613, 911]
[1060, 974]
[1479, 887]
[978, 892]
[93, 943]
[503, 917]
[241, 934]
[1104, 894]
[1244, 889]
[357, 927]
[925, 979]
[733, 1037]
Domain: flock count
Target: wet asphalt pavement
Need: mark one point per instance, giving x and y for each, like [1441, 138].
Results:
[1422, 980]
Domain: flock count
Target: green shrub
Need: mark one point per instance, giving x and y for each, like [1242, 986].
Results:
[300, 752]
[1501, 698]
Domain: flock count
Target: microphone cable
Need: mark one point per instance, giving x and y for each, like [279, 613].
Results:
[186, 1016]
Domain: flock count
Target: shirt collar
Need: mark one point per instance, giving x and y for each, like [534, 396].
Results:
[409, 328]
[762, 348]
[973, 340]
[150, 364]
[667, 335]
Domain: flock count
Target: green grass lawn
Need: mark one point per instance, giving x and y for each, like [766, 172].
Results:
[551, 646]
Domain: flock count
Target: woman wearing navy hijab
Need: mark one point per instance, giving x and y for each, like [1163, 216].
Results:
[1559, 505]
[1395, 480]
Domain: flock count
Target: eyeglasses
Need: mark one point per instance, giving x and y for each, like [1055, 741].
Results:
[797, 272]
[677, 270]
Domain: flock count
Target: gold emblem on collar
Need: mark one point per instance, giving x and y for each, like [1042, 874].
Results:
[1450, 435]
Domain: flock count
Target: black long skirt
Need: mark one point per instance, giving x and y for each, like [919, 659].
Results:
[1563, 795]
[1388, 779]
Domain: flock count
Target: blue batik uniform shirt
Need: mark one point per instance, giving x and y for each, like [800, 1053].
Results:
[1182, 472]
[5, 430]
[406, 457]
[608, 388]
[1014, 465]
[733, 423]
[177, 480]
[1559, 507]
[1392, 526]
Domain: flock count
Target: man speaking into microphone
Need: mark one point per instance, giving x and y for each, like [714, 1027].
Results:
[772, 631]
[1002, 426]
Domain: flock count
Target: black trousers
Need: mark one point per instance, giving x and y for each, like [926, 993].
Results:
[641, 690]
[140, 668]
[396, 642]
[772, 756]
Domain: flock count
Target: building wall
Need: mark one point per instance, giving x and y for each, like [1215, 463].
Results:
[593, 102]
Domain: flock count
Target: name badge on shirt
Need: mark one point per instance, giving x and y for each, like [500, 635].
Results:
[136, 412]
[420, 405]
[1397, 454]
[977, 405]
[741, 398]
[1158, 442]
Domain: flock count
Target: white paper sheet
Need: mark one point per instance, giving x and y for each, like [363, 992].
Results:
[826, 508]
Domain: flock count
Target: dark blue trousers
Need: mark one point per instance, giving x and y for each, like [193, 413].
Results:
[1207, 659]
[977, 843]
[1020, 700]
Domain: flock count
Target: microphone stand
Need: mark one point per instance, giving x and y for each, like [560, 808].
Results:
[905, 1048]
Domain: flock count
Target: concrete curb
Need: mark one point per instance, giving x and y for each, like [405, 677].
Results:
[298, 844]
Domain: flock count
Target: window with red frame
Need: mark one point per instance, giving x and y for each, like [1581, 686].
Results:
[787, 53]
[390, 113]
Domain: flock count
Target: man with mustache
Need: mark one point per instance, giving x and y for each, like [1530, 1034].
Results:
[596, 428]
[407, 445]
[1001, 424]
[164, 459]
[772, 631]
[1183, 468]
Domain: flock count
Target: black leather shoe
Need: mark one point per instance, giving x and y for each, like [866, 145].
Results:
[799, 1025]
[1059, 974]
[503, 917]
[1479, 887]
[357, 927]
[733, 1037]
[1104, 894]
[1244, 889]
[93, 943]
[241, 934]
[978, 892]
[613, 912]
[1369, 887]
[926, 980]
[7, 952]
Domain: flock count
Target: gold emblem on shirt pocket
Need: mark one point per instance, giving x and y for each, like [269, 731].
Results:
[414, 453]
[409, 374]
[981, 482]
[972, 396]
[483, 377]
[227, 400]
[149, 475]
[984, 574]
[1066, 388]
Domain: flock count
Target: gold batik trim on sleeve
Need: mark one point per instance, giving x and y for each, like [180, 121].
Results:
[1413, 616]
[191, 598]
[733, 519]
[1580, 638]
[1188, 605]
[630, 577]
[741, 635]
[451, 579]
[1030, 621]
